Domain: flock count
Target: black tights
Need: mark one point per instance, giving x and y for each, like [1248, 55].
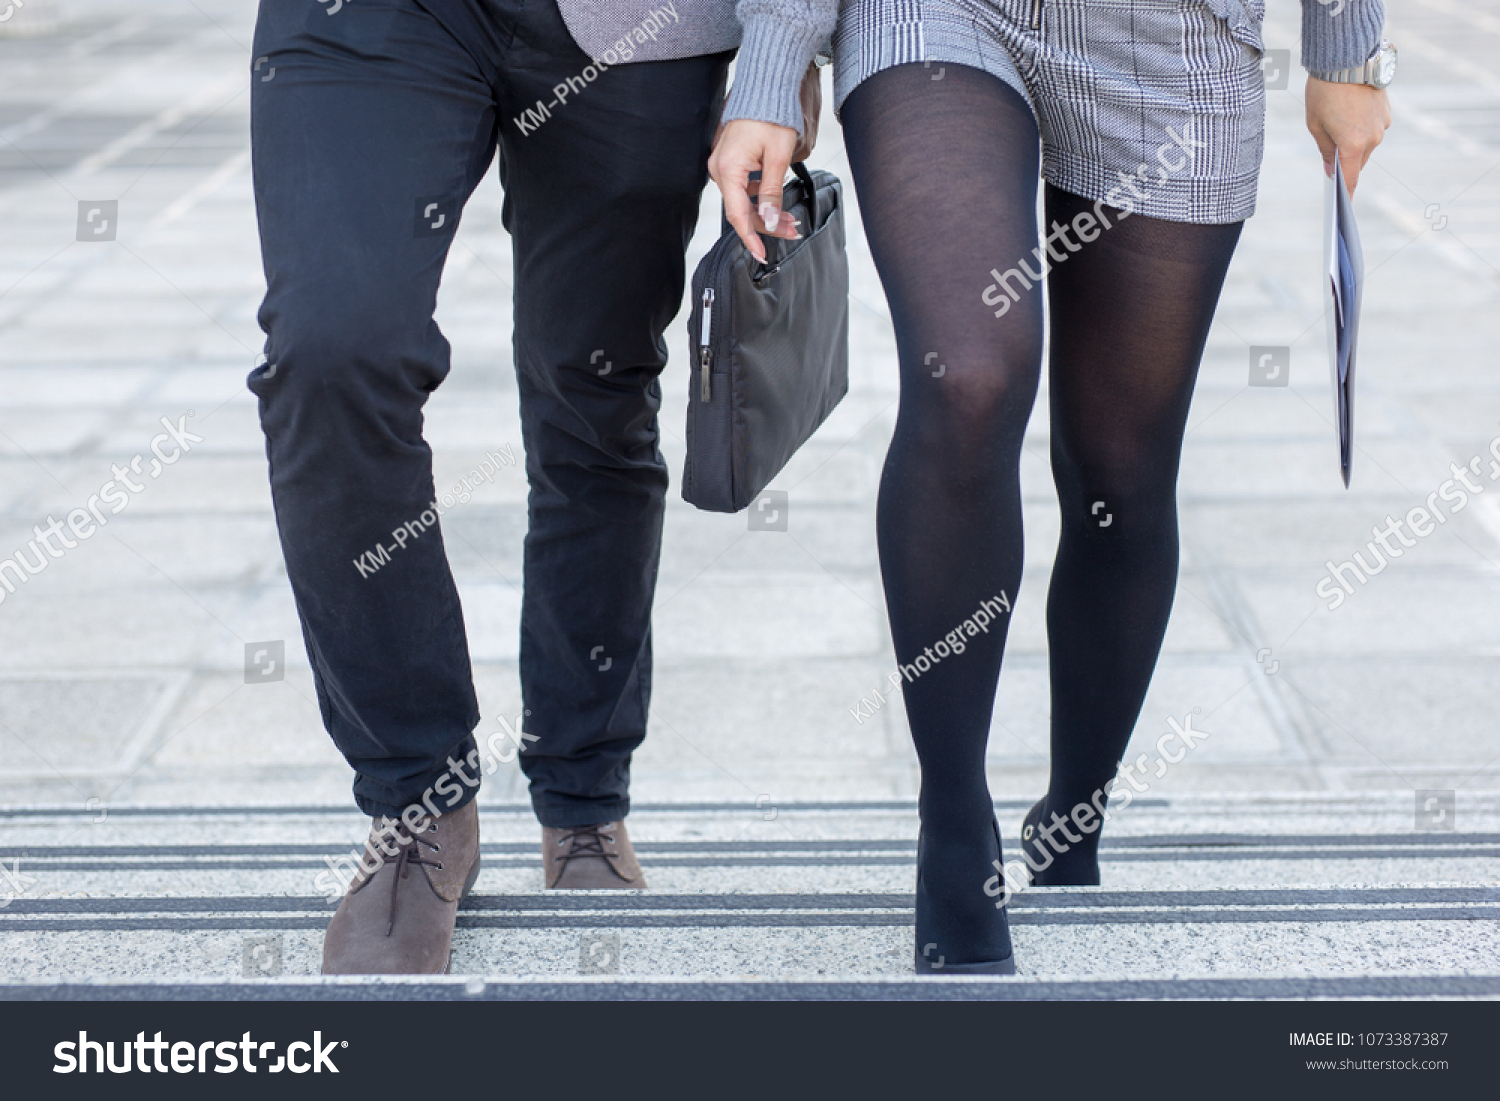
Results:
[947, 174]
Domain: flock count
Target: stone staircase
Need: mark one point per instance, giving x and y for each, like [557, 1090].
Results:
[1238, 896]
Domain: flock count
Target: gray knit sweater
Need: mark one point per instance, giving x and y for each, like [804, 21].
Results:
[778, 38]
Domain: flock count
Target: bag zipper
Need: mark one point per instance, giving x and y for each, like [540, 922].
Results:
[1036, 15]
[705, 350]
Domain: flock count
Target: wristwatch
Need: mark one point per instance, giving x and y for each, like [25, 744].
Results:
[1378, 71]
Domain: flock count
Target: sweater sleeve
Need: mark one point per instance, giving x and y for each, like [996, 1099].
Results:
[780, 39]
[1340, 34]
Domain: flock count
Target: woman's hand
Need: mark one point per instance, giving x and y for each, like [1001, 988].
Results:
[745, 146]
[742, 147]
[1350, 117]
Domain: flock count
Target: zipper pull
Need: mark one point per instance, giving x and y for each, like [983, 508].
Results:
[705, 352]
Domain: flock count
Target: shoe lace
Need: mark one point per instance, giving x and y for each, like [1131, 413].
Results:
[406, 857]
[587, 841]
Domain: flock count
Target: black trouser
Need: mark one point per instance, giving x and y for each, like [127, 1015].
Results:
[374, 128]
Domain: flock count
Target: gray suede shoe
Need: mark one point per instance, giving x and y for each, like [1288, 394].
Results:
[590, 858]
[397, 917]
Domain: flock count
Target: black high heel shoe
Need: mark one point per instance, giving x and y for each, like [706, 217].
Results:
[1044, 864]
[983, 951]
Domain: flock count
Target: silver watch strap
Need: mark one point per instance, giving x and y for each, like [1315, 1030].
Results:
[1360, 74]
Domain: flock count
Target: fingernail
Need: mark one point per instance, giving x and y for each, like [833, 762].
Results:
[769, 215]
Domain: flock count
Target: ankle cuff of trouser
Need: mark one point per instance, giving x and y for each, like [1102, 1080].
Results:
[572, 814]
[387, 810]
[428, 797]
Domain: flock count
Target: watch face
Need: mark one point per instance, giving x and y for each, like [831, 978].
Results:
[1385, 68]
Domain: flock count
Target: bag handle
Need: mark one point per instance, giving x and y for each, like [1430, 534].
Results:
[799, 169]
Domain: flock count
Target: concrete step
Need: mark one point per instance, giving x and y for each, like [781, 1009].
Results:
[1229, 896]
[633, 988]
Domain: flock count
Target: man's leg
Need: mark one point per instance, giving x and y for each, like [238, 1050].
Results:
[601, 199]
[372, 131]
[369, 132]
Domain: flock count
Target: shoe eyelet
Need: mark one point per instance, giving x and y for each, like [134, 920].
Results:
[440, 867]
[437, 848]
[1027, 833]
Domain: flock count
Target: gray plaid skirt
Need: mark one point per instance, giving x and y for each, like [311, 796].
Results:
[1153, 106]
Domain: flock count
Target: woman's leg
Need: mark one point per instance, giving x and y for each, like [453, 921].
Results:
[1130, 314]
[946, 172]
